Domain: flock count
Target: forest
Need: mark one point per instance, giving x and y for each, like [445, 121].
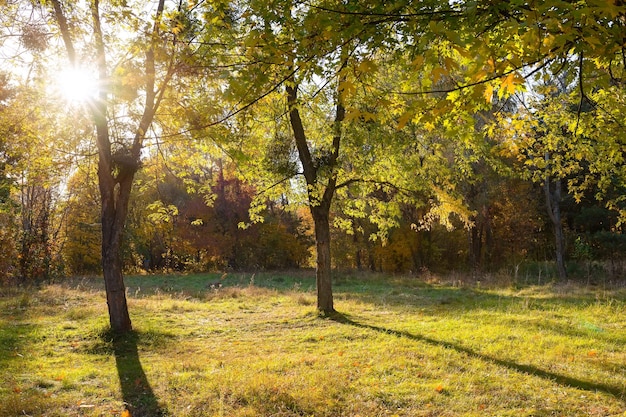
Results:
[451, 172]
[404, 137]
[230, 136]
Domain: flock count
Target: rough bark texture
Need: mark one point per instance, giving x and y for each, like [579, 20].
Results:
[114, 201]
[323, 271]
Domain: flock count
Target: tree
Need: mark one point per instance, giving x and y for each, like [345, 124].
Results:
[132, 80]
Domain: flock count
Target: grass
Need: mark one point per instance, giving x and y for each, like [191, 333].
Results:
[257, 347]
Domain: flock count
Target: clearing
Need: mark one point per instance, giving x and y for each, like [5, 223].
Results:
[257, 347]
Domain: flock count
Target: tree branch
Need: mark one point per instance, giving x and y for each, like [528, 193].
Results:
[65, 31]
[581, 89]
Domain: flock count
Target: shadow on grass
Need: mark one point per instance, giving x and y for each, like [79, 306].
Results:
[565, 380]
[138, 396]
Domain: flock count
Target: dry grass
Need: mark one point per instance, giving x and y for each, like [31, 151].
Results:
[401, 348]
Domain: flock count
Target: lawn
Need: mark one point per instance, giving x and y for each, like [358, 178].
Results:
[257, 347]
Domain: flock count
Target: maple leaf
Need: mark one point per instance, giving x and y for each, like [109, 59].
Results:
[438, 73]
[488, 93]
[404, 119]
[508, 84]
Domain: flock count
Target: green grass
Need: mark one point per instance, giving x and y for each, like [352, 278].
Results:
[257, 347]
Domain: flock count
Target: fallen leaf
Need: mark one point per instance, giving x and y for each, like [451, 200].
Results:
[126, 413]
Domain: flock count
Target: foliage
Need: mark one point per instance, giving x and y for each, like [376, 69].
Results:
[81, 250]
[180, 231]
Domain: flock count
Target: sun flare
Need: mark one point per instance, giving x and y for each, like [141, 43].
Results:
[77, 84]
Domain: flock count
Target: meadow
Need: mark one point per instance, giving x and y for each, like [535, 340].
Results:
[256, 346]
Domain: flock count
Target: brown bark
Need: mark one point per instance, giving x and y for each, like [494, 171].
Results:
[318, 204]
[323, 273]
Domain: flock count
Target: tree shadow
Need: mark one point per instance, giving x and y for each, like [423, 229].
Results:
[137, 393]
[617, 392]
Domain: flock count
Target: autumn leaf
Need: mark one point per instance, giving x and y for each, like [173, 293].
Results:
[352, 114]
[367, 66]
[439, 388]
[346, 88]
[126, 413]
[418, 62]
[438, 73]
[508, 84]
[368, 116]
[404, 119]
[488, 93]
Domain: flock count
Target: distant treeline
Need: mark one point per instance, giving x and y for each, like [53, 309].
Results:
[174, 227]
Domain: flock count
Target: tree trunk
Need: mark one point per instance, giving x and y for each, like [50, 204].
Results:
[320, 195]
[475, 244]
[323, 270]
[319, 205]
[553, 203]
[119, 318]
[114, 199]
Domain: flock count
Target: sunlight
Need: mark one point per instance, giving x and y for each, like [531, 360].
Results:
[77, 84]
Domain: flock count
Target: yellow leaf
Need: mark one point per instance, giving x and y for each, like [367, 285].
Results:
[368, 116]
[488, 93]
[479, 76]
[367, 66]
[346, 88]
[548, 41]
[463, 52]
[449, 63]
[508, 84]
[352, 114]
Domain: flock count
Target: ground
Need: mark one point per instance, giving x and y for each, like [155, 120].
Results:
[257, 347]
